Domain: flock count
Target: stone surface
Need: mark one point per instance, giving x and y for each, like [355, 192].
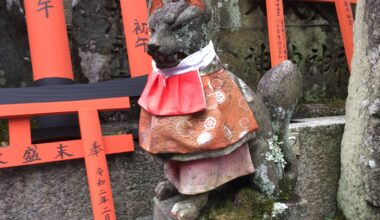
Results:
[98, 38]
[314, 110]
[279, 88]
[359, 191]
[145, 218]
[284, 78]
[15, 67]
[169, 44]
[296, 211]
[59, 190]
[317, 143]
[175, 36]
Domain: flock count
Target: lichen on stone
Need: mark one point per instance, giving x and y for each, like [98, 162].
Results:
[278, 208]
[372, 163]
[262, 181]
[275, 154]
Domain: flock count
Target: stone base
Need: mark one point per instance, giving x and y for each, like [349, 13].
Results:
[161, 209]
[317, 144]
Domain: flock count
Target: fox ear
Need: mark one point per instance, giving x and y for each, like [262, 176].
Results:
[154, 5]
[199, 3]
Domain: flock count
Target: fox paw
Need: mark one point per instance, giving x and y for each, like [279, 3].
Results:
[189, 208]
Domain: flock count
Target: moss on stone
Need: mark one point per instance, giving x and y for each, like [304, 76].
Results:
[340, 215]
[248, 204]
[286, 188]
[337, 103]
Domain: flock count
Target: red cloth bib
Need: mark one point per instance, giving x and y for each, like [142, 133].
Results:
[177, 95]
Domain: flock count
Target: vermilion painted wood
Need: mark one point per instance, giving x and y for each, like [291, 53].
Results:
[327, 1]
[51, 108]
[48, 41]
[13, 154]
[96, 166]
[135, 21]
[346, 22]
[19, 136]
[276, 30]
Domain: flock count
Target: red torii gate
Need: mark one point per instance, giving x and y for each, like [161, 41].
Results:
[51, 61]
[277, 35]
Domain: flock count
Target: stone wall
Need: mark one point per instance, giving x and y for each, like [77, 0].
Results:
[314, 44]
[60, 190]
[15, 67]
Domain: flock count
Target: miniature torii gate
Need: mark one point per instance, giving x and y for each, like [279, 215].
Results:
[51, 62]
[277, 35]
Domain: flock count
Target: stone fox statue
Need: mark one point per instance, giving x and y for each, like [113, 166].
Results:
[205, 122]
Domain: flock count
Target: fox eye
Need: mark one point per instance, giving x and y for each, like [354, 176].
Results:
[178, 26]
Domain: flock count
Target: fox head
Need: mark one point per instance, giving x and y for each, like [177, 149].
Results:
[178, 29]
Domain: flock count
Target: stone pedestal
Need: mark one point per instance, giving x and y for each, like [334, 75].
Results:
[317, 145]
[161, 209]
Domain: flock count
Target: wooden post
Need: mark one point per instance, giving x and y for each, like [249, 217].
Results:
[19, 132]
[346, 22]
[48, 40]
[137, 35]
[324, 1]
[99, 182]
[51, 60]
[276, 31]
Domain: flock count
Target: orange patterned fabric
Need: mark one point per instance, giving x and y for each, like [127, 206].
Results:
[199, 3]
[155, 5]
[226, 120]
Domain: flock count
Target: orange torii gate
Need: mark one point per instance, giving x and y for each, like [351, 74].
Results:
[51, 62]
[277, 35]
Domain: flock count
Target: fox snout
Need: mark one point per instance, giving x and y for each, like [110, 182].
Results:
[152, 48]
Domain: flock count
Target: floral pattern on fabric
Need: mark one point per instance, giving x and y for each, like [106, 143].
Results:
[227, 119]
